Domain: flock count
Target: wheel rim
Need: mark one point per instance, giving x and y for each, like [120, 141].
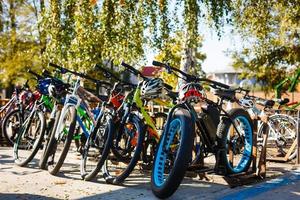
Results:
[115, 166]
[13, 124]
[282, 134]
[26, 142]
[236, 144]
[163, 151]
[93, 149]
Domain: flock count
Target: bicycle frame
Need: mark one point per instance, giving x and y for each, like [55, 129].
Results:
[149, 122]
[82, 111]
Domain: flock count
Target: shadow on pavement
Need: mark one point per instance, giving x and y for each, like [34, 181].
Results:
[10, 196]
[189, 189]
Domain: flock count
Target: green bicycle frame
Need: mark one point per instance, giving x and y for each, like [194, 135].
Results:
[294, 82]
[139, 103]
[48, 103]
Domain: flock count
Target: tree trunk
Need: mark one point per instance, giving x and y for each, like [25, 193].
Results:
[41, 31]
[187, 61]
[13, 25]
[1, 17]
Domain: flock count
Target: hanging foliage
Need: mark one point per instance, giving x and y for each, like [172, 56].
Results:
[271, 35]
[79, 33]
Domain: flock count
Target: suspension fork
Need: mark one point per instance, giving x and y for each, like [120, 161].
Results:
[123, 120]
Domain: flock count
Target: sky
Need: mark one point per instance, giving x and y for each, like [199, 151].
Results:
[215, 49]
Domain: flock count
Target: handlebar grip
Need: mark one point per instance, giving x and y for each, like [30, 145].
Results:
[126, 65]
[222, 85]
[130, 68]
[167, 86]
[35, 74]
[55, 65]
[157, 63]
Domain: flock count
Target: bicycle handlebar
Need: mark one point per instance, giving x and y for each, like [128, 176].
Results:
[124, 83]
[107, 72]
[189, 77]
[80, 75]
[35, 74]
[133, 70]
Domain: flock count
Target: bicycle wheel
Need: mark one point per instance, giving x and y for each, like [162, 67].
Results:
[173, 154]
[10, 126]
[282, 133]
[29, 138]
[235, 144]
[49, 138]
[128, 147]
[97, 148]
[63, 138]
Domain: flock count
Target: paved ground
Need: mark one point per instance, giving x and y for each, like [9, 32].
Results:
[33, 183]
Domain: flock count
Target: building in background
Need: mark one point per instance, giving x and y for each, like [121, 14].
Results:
[227, 75]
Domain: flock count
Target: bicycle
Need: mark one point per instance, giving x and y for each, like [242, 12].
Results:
[136, 131]
[31, 132]
[280, 128]
[95, 145]
[20, 101]
[75, 110]
[224, 133]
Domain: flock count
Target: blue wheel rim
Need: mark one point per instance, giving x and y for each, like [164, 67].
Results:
[162, 152]
[246, 157]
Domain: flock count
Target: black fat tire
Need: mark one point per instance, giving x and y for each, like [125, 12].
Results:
[135, 158]
[222, 132]
[182, 159]
[55, 167]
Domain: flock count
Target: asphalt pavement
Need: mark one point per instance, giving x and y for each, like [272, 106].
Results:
[33, 183]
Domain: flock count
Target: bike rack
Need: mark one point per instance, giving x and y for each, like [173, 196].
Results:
[257, 171]
[298, 138]
[294, 145]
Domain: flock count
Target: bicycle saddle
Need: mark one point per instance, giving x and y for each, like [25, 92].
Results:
[266, 103]
[283, 101]
[227, 94]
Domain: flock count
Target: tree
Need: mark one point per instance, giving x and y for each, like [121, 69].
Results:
[172, 54]
[1, 16]
[271, 33]
[18, 43]
[78, 34]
